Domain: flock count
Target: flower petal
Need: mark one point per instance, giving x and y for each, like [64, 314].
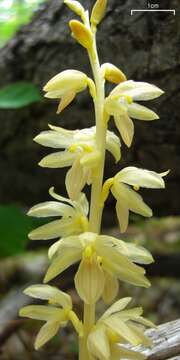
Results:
[136, 253]
[113, 145]
[137, 90]
[111, 288]
[89, 281]
[55, 229]
[125, 126]
[144, 340]
[121, 267]
[46, 333]
[42, 312]
[61, 262]
[141, 112]
[122, 212]
[82, 204]
[70, 242]
[134, 176]
[98, 344]
[66, 99]
[119, 352]
[57, 137]
[116, 307]
[133, 201]
[51, 208]
[75, 180]
[59, 159]
[47, 292]
[123, 330]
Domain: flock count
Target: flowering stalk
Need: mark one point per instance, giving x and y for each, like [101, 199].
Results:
[103, 260]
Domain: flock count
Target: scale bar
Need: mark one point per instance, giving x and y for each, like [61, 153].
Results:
[152, 10]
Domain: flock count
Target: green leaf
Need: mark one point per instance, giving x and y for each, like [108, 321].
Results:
[14, 229]
[18, 95]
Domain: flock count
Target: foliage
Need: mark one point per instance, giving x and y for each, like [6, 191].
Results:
[14, 226]
[14, 14]
[18, 94]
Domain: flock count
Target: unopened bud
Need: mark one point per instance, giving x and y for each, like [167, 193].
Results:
[98, 11]
[81, 33]
[112, 73]
[75, 6]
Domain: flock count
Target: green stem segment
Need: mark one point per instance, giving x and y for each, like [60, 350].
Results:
[96, 206]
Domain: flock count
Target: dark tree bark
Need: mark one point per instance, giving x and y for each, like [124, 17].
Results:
[145, 46]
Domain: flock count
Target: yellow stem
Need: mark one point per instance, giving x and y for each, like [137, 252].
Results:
[96, 203]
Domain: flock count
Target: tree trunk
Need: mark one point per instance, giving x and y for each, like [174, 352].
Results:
[145, 46]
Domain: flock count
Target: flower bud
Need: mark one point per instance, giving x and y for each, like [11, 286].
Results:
[98, 11]
[75, 6]
[81, 33]
[112, 73]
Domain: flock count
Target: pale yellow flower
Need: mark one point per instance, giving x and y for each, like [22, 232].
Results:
[121, 104]
[65, 86]
[114, 329]
[73, 217]
[127, 198]
[80, 153]
[55, 315]
[99, 255]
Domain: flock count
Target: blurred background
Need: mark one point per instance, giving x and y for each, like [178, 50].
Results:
[35, 44]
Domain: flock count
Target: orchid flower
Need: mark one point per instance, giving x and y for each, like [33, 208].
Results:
[56, 314]
[127, 198]
[80, 153]
[73, 217]
[121, 104]
[116, 327]
[98, 255]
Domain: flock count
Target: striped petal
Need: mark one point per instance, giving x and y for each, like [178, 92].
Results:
[133, 201]
[141, 112]
[116, 307]
[75, 180]
[98, 344]
[47, 292]
[42, 312]
[56, 138]
[137, 90]
[123, 330]
[122, 212]
[70, 242]
[62, 262]
[125, 126]
[89, 281]
[47, 332]
[140, 177]
[55, 229]
[58, 160]
[113, 145]
[111, 288]
[51, 208]
[119, 352]
[123, 268]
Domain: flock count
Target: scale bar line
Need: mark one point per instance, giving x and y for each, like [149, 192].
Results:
[153, 10]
